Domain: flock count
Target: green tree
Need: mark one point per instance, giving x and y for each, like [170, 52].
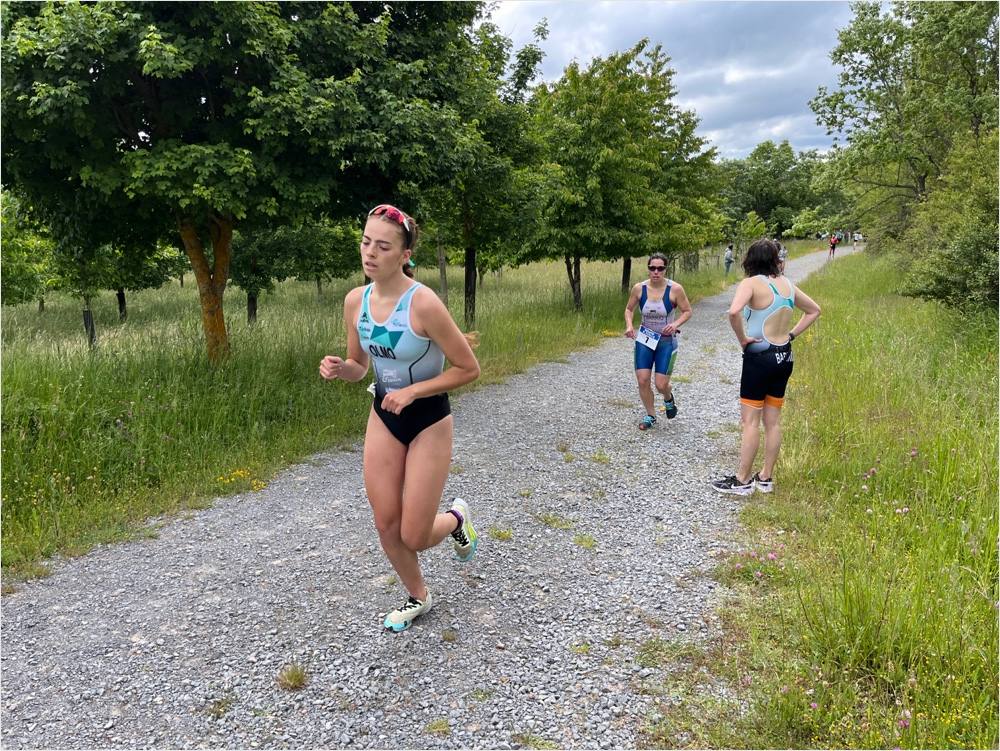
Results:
[26, 252]
[212, 114]
[477, 205]
[913, 76]
[751, 227]
[621, 156]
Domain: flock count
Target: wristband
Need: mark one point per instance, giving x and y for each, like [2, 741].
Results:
[791, 336]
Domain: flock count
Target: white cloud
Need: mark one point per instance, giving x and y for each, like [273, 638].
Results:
[748, 69]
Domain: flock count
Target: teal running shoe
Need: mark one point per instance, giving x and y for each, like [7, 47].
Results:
[401, 618]
[465, 537]
[647, 422]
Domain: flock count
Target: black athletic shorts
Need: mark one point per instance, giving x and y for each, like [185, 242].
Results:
[419, 414]
[765, 376]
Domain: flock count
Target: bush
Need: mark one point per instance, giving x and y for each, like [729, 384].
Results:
[961, 274]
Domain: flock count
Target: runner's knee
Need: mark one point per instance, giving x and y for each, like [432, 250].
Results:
[387, 524]
[414, 537]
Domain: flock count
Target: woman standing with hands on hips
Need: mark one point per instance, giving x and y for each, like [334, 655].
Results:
[761, 317]
[658, 299]
[407, 333]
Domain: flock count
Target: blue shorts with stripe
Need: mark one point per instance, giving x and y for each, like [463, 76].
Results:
[661, 359]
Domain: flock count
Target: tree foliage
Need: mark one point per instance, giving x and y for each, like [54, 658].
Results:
[26, 253]
[624, 166]
[915, 110]
[214, 114]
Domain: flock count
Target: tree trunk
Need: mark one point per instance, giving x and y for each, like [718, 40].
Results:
[690, 261]
[626, 274]
[319, 286]
[251, 308]
[482, 275]
[211, 280]
[470, 287]
[442, 270]
[470, 268]
[122, 309]
[88, 323]
[573, 272]
[41, 304]
[182, 281]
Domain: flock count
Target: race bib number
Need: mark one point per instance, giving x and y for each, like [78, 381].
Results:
[647, 337]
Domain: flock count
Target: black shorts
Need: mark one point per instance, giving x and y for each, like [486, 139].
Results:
[415, 417]
[765, 376]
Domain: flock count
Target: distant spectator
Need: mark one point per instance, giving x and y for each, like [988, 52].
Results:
[728, 258]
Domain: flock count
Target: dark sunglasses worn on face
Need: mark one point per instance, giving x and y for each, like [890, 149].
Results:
[657, 268]
[395, 215]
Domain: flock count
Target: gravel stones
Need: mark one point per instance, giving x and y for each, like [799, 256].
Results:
[178, 641]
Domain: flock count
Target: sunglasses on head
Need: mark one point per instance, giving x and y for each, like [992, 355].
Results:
[394, 214]
[657, 268]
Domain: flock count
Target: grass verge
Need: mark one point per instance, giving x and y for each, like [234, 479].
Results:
[864, 606]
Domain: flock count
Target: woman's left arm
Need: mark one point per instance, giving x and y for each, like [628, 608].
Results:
[433, 317]
[679, 299]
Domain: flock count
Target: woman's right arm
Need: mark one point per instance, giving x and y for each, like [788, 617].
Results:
[355, 367]
[805, 303]
[633, 300]
[744, 292]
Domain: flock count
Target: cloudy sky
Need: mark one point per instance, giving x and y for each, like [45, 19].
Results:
[748, 69]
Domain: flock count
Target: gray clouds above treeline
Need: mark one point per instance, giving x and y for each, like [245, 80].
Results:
[748, 69]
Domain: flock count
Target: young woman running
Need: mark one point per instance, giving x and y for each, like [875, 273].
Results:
[761, 317]
[407, 333]
[658, 299]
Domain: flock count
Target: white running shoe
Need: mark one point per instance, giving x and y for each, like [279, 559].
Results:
[401, 618]
[465, 537]
[764, 486]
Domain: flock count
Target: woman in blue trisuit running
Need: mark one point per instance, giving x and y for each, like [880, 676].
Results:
[658, 300]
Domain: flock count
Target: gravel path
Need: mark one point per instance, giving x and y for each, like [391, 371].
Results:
[177, 641]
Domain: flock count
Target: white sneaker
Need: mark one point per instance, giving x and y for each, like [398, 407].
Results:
[465, 537]
[401, 618]
[764, 486]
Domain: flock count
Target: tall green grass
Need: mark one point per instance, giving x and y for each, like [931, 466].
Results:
[96, 442]
[868, 615]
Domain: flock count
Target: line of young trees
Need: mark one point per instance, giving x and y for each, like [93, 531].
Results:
[252, 137]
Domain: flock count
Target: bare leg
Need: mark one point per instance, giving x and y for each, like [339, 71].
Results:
[772, 440]
[663, 386]
[645, 389]
[385, 464]
[750, 442]
[427, 464]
